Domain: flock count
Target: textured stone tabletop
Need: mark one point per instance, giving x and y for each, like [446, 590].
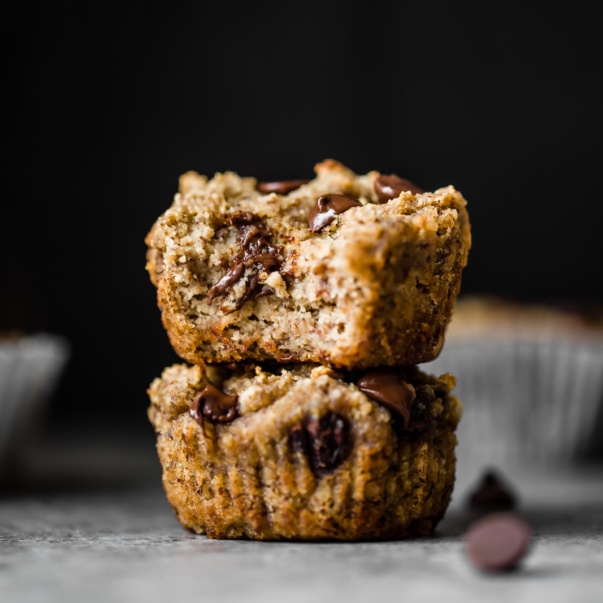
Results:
[114, 538]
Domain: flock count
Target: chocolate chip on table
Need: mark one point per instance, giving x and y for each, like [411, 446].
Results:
[491, 494]
[326, 441]
[327, 207]
[388, 387]
[214, 405]
[498, 541]
[390, 186]
[281, 187]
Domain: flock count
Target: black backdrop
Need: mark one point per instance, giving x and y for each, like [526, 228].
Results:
[107, 109]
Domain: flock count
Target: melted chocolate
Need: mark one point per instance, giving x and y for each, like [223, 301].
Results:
[326, 442]
[327, 207]
[386, 386]
[257, 253]
[214, 405]
[281, 187]
[390, 186]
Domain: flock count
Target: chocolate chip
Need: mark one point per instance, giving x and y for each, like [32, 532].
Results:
[390, 186]
[498, 541]
[257, 253]
[491, 495]
[326, 441]
[241, 218]
[281, 187]
[388, 387]
[232, 275]
[327, 207]
[214, 405]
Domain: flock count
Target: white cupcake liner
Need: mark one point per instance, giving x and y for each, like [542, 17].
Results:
[525, 401]
[30, 367]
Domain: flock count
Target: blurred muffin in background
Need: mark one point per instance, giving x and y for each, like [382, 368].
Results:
[30, 368]
[495, 318]
[530, 376]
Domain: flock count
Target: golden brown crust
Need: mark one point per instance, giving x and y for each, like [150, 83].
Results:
[374, 288]
[247, 479]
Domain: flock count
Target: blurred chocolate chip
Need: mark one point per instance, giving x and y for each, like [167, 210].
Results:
[214, 405]
[498, 541]
[327, 207]
[326, 441]
[390, 186]
[281, 187]
[388, 387]
[492, 494]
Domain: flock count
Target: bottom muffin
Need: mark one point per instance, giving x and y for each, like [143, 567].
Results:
[304, 452]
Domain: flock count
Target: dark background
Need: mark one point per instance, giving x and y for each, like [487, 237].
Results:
[107, 109]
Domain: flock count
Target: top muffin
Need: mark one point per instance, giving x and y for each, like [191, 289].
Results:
[345, 269]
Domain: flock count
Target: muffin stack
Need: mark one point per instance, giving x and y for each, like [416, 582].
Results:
[301, 309]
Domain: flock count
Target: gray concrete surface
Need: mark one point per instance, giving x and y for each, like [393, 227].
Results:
[112, 539]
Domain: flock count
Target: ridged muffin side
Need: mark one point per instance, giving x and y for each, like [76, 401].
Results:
[308, 455]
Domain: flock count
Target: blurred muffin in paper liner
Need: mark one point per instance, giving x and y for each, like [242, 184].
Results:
[531, 377]
[30, 368]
